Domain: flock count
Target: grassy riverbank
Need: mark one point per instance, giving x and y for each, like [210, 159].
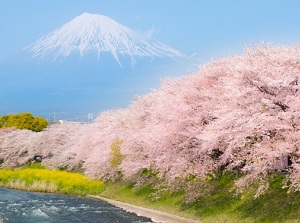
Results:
[216, 200]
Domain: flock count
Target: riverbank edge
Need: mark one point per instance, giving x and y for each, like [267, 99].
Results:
[154, 215]
[42, 185]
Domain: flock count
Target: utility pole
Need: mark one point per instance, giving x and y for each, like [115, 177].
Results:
[54, 115]
[90, 117]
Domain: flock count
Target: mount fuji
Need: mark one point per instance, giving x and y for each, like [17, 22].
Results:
[98, 33]
[88, 65]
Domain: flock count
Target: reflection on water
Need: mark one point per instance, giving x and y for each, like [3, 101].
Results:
[26, 207]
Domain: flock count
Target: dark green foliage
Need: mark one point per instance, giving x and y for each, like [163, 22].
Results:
[23, 121]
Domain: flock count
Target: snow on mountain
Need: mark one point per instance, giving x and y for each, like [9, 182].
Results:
[93, 32]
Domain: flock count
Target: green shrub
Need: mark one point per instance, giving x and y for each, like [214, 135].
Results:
[23, 121]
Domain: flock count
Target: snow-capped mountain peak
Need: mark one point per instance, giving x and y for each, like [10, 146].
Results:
[93, 32]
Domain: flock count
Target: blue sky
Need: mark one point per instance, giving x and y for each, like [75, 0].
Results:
[212, 29]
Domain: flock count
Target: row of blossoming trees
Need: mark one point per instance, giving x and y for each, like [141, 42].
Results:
[238, 113]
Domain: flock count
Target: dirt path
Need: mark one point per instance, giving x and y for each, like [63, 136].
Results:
[156, 216]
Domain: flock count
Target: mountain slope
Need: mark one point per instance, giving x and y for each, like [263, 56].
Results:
[98, 33]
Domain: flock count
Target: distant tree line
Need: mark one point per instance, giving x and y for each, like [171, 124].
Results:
[24, 120]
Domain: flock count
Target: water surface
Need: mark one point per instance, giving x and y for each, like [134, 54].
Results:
[27, 207]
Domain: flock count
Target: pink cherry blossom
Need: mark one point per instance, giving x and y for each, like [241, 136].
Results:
[238, 113]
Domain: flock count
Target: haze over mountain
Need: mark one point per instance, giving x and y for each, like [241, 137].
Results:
[90, 64]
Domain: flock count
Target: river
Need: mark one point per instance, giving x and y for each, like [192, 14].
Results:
[28, 207]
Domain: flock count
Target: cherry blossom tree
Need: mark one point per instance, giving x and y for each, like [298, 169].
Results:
[16, 146]
[239, 113]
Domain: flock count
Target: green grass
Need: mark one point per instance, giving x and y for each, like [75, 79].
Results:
[145, 196]
[276, 205]
[217, 201]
